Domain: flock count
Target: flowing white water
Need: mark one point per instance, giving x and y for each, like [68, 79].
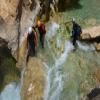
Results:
[11, 92]
[85, 47]
[52, 30]
[58, 42]
[54, 76]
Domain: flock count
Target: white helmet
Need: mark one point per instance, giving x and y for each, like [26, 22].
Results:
[29, 30]
[73, 19]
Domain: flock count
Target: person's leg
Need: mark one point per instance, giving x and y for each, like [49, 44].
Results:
[74, 41]
[43, 38]
[33, 50]
[28, 54]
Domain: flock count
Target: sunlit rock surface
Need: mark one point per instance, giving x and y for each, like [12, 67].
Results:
[34, 80]
[91, 33]
[98, 47]
[7, 18]
[15, 18]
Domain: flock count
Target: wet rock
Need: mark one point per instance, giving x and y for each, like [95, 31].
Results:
[98, 46]
[34, 80]
[8, 70]
[94, 94]
[91, 33]
[96, 76]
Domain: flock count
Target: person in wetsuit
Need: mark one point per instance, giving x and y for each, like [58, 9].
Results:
[41, 28]
[31, 42]
[76, 31]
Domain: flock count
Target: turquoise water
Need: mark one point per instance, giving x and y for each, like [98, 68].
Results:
[11, 92]
[82, 63]
[90, 9]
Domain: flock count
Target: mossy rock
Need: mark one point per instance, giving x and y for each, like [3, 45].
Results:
[8, 70]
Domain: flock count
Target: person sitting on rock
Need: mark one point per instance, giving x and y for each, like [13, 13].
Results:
[76, 31]
[31, 42]
[41, 28]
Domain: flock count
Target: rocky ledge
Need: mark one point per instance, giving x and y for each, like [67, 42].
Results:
[92, 35]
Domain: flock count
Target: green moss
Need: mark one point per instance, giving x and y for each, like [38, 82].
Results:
[8, 70]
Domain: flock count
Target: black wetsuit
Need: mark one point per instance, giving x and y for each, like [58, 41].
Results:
[42, 34]
[31, 45]
[75, 32]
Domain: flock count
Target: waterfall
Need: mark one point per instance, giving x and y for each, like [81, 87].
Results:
[13, 89]
[11, 92]
[55, 78]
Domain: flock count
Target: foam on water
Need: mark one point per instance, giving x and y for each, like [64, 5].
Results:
[58, 79]
[58, 42]
[11, 92]
[52, 30]
[85, 47]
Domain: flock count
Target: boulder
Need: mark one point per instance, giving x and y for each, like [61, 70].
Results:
[98, 46]
[90, 33]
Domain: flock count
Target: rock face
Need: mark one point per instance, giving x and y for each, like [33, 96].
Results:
[94, 94]
[7, 18]
[15, 18]
[98, 47]
[34, 80]
[91, 33]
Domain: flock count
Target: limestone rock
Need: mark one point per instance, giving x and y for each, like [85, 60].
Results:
[98, 46]
[15, 18]
[91, 33]
[34, 80]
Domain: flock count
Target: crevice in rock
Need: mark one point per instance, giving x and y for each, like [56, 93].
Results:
[93, 94]
[18, 19]
[2, 24]
[19, 11]
[33, 4]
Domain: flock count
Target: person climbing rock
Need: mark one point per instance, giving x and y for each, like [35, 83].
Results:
[41, 28]
[31, 42]
[76, 31]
